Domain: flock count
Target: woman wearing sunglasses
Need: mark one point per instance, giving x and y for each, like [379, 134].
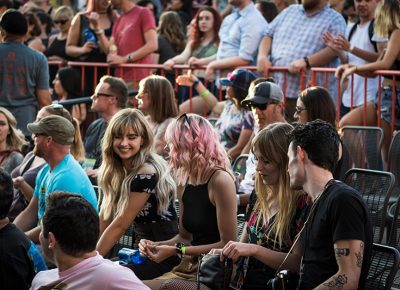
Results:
[206, 194]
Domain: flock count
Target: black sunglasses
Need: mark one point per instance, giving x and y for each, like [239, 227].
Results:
[62, 22]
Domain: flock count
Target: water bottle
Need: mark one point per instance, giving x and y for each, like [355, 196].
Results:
[130, 256]
[90, 35]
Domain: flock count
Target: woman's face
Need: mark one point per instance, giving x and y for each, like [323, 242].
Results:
[205, 21]
[58, 88]
[268, 170]
[4, 128]
[127, 146]
[63, 22]
[175, 5]
[231, 96]
[301, 112]
[143, 98]
[101, 6]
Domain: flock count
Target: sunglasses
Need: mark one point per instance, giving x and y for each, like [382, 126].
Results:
[102, 94]
[299, 110]
[62, 22]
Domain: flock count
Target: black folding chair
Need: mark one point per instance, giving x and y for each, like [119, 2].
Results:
[384, 265]
[375, 187]
[364, 145]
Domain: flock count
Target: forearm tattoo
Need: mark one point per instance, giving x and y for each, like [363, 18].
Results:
[359, 255]
[342, 252]
[337, 282]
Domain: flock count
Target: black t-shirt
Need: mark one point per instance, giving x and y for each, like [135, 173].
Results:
[340, 214]
[16, 268]
[93, 138]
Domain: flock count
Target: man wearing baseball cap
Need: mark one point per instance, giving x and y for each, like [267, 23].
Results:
[265, 100]
[53, 136]
[25, 82]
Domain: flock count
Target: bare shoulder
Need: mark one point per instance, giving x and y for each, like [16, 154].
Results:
[221, 185]
[147, 168]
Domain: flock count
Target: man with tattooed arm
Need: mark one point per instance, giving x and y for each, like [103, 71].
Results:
[335, 246]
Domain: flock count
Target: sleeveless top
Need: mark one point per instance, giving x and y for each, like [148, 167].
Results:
[200, 215]
[95, 55]
[57, 48]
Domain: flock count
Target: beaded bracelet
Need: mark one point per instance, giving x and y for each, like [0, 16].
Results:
[205, 93]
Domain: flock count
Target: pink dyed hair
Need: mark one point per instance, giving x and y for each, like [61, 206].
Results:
[195, 150]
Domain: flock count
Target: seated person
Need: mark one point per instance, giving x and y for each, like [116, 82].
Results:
[70, 230]
[19, 257]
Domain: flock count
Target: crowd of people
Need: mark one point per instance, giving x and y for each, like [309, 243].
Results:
[71, 187]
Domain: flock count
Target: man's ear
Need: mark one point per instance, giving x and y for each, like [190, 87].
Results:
[52, 240]
[301, 154]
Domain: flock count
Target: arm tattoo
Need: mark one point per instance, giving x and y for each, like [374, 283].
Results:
[359, 255]
[342, 252]
[337, 282]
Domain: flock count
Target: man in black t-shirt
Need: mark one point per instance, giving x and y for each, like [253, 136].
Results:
[336, 242]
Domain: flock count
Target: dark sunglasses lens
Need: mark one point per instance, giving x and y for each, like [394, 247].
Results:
[261, 107]
[60, 22]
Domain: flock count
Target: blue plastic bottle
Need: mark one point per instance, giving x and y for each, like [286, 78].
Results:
[130, 256]
[90, 35]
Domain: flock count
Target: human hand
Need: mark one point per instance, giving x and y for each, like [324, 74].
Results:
[160, 253]
[187, 79]
[169, 64]
[88, 47]
[329, 41]
[263, 65]
[340, 69]
[94, 18]
[92, 172]
[297, 66]
[348, 71]
[18, 181]
[114, 59]
[146, 246]
[234, 250]
[194, 61]
[209, 73]
[342, 43]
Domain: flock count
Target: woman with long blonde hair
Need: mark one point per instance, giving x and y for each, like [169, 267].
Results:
[136, 187]
[276, 212]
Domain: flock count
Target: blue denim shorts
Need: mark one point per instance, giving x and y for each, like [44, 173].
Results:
[386, 106]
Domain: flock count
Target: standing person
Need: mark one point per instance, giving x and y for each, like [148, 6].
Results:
[206, 194]
[11, 141]
[53, 137]
[240, 35]
[110, 96]
[88, 38]
[70, 230]
[156, 98]
[133, 40]
[136, 187]
[357, 48]
[387, 25]
[283, 45]
[25, 84]
[16, 264]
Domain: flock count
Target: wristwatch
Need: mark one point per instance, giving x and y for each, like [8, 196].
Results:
[129, 58]
[307, 61]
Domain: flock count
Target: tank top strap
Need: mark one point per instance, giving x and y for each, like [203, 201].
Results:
[213, 174]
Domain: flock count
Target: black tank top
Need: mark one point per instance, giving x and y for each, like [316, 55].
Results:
[57, 48]
[200, 215]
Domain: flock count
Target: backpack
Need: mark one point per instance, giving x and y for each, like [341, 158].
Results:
[370, 33]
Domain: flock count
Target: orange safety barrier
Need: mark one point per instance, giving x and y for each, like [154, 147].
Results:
[306, 79]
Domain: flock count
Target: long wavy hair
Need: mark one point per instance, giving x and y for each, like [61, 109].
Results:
[195, 150]
[162, 97]
[77, 147]
[197, 34]
[387, 17]
[115, 179]
[170, 26]
[15, 139]
[273, 143]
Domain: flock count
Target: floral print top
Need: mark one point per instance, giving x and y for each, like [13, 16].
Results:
[148, 214]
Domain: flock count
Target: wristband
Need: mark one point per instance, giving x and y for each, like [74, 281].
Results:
[205, 93]
[183, 249]
[195, 83]
[307, 61]
[351, 48]
[99, 31]
[180, 249]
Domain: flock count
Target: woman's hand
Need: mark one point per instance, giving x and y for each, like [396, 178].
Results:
[194, 61]
[88, 47]
[146, 246]
[341, 69]
[169, 64]
[160, 253]
[18, 181]
[234, 250]
[94, 19]
[187, 79]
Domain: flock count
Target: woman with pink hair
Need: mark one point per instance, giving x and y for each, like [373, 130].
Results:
[206, 193]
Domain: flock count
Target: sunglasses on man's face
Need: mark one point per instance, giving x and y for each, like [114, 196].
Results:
[62, 22]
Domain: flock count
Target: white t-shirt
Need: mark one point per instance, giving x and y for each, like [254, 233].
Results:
[95, 273]
[360, 39]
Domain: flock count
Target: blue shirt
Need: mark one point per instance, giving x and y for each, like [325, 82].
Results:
[241, 33]
[296, 34]
[69, 176]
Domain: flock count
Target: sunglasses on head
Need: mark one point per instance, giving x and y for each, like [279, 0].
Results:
[62, 22]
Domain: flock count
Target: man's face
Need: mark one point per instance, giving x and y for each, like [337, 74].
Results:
[310, 4]
[295, 169]
[365, 8]
[40, 145]
[236, 3]
[267, 114]
[101, 97]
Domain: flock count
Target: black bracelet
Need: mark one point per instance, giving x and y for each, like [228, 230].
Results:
[195, 83]
[178, 247]
[307, 61]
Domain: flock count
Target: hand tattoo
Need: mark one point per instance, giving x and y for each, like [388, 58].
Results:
[337, 283]
[359, 255]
